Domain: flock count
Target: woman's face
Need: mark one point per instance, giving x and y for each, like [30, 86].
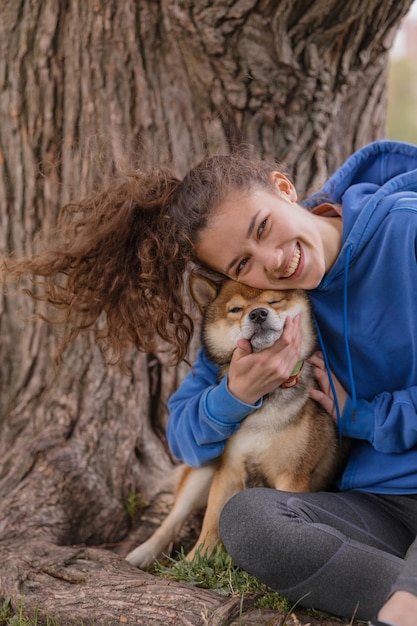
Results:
[266, 240]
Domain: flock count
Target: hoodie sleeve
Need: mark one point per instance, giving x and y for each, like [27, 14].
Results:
[388, 422]
[203, 414]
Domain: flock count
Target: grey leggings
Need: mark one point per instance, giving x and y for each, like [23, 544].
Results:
[340, 552]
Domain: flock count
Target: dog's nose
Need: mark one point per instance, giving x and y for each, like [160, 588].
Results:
[258, 316]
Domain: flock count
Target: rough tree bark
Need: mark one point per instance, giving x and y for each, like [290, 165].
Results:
[304, 82]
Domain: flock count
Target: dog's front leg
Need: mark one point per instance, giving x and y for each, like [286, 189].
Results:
[227, 481]
[293, 483]
[191, 494]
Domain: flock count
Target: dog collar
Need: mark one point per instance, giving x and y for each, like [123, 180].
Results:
[295, 376]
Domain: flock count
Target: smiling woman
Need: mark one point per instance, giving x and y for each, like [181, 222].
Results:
[348, 252]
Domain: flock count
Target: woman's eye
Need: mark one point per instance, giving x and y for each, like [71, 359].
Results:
[241, 266]
[236, 309]
[262, 226]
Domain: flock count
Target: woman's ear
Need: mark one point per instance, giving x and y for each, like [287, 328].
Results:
[282, 184]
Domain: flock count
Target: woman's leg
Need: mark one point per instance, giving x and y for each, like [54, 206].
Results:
[338, 552]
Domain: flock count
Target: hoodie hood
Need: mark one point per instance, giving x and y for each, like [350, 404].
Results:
[366, 186]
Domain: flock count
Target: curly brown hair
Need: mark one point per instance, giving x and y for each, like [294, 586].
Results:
[124, 252]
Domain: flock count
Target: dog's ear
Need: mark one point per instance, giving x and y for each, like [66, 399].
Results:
[203, 290]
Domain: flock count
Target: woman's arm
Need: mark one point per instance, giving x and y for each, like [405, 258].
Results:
[388, 422]
[203, 415]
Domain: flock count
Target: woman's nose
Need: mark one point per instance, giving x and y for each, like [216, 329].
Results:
[273, 260]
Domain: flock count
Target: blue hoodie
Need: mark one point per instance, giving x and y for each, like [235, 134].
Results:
[366, 312]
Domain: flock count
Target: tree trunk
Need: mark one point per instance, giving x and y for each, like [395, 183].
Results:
[82, 85]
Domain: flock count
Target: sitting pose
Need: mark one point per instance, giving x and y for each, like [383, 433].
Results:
[353, 246]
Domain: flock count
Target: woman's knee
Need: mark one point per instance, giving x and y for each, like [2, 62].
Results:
[245, 517]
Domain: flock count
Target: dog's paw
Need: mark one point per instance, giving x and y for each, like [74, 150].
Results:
[141, 557]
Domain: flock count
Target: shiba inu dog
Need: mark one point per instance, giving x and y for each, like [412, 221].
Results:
[289, 443]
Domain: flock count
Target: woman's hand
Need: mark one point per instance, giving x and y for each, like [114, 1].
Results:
[324, 394]
[254, 374]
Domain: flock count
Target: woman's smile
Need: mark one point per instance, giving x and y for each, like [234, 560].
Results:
[293, 264]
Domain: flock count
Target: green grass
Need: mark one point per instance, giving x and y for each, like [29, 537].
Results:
[135, 506]
[218, 572]
[10, 617]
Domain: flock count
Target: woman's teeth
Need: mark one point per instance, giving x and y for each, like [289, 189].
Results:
[294, 264]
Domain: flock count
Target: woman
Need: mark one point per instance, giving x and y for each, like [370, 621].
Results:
[356, 253]
[353, 246]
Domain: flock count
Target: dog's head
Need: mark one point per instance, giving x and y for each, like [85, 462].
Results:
[232, 311]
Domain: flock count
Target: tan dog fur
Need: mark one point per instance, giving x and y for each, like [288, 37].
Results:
[290, 443]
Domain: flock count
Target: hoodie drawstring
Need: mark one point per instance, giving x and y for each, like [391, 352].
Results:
[329, 374]
[346, 333]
